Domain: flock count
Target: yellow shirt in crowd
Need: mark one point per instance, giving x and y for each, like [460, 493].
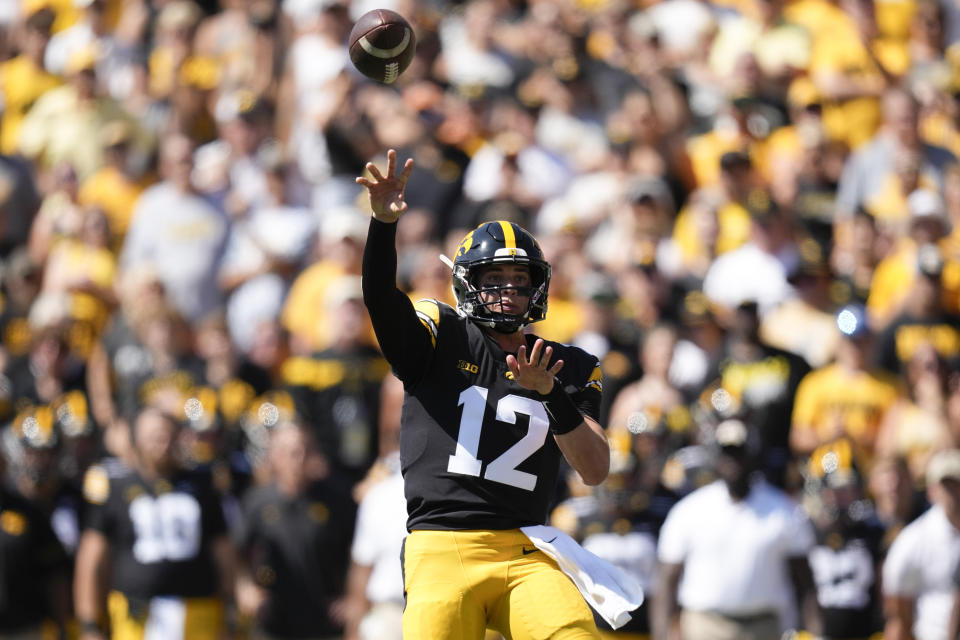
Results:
[21, 83]
[831, 399]
[115, 194]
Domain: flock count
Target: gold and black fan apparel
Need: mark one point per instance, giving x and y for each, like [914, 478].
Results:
[475, 447]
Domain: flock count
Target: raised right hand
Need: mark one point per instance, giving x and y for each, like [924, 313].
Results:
[386, 191]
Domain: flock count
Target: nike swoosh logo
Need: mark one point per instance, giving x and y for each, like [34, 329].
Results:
[527, 552]
[551, 539]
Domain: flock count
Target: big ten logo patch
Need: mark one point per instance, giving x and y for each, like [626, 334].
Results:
[469, 367]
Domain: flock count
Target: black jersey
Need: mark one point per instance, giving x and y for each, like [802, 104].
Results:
[298, 549]
[845, 570]
[30, 556]
[475, 447]
[160, 532]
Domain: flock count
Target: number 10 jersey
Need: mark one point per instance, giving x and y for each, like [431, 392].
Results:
[159, 532]
[475, 447]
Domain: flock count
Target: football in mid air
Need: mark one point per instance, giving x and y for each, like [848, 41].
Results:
[382, 45]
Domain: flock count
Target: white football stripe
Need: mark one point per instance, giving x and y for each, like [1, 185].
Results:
[377, 52]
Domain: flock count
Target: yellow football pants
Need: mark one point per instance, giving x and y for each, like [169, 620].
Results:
[459, 583]
[198, 619]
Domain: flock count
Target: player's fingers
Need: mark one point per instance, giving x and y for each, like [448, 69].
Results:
[522, 356]
[547, 353]
[536, 353]
[372, 168]
[407, 170]
[555, 369]
[513, 365]
[391, 163]
[363, 182]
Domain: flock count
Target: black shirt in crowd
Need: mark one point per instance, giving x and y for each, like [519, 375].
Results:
[298, 549]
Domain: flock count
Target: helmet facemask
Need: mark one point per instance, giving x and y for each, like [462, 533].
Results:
[470, 297]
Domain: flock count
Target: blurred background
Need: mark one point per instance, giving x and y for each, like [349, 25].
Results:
[752, 209]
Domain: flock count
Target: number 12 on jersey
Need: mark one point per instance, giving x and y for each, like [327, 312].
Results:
[502, 469]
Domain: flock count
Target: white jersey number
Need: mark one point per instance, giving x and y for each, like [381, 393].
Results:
[504, 468]
[167, 527]
[844, 577]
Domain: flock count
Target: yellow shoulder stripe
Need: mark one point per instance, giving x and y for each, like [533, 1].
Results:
[96, 485]
[429, 313]
[595, 381]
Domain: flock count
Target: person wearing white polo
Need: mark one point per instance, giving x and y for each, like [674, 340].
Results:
[736, 548]
[918, 570]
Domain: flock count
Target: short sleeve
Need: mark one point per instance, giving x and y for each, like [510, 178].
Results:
[804, 404]
[800, 535]
[672, 547]
[901, 575]
[365, 547]
[96, 494]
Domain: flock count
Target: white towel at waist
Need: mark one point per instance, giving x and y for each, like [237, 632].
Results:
[607, 588]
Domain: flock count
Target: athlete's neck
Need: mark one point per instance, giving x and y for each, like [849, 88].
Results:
[152, 471]
[509, 342]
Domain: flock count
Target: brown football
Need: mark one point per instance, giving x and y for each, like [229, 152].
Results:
[382, 45]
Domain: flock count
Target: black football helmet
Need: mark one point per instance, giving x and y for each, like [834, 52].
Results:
[499, 242]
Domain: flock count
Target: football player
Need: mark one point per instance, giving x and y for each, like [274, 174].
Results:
[846, 557]
[161, 531]
[490, 412]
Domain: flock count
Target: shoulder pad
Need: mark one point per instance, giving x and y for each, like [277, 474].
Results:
[96, 485]
[595, 381]
[428, 311]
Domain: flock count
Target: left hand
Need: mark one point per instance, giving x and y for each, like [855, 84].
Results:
[532, 373]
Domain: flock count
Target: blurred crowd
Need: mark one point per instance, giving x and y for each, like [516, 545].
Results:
[751, 208]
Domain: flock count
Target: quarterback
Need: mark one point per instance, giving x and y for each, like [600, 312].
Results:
[489, 410]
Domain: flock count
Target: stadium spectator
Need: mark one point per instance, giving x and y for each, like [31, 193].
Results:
[953, 630]
[337, 389]
[803, 324]
[897, 500]
[918, 570]
[845, 399]
[758, 380]
[117, 185]
[895, 274]
[768, 257]
[179, 234]
[340, 252]
[870, 167]
[270, 240]
[916, 425]
[922, 320]
[294, 544]
[652, 398]
[24, 78]
[64, 124]
[375, 582]
[738, 521]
